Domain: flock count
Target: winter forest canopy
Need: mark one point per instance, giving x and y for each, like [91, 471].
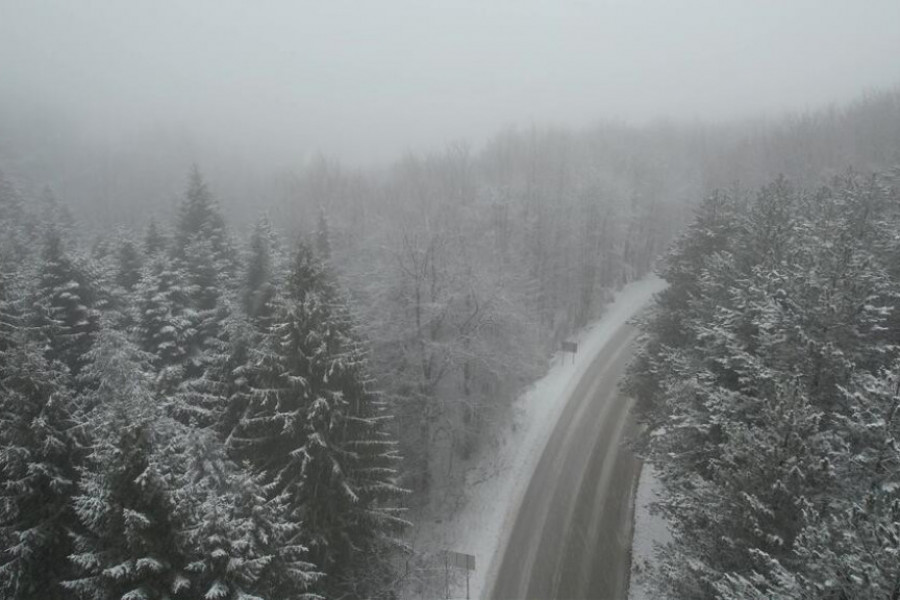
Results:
[227, 380]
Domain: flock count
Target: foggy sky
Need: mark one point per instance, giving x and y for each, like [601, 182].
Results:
[367, 80]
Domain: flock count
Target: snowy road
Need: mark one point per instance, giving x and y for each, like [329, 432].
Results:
[572, 534]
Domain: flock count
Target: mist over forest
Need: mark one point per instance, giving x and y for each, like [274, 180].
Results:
[278, 286]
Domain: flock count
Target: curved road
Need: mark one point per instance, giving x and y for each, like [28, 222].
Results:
[571, 538]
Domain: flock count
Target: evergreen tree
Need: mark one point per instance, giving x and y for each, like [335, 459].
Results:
[65, 312]
[128, 265]
[39, 453]
[207, 306]
[241, 545]
[200, 398]
[154, 240]
[765, 424]
[9, 319]
[164, 513]
[57, 213]
[199, 219]
[163, 321]
[127, 546]
[258, 287]
[315, 432]
[14, 242]
[323, 238]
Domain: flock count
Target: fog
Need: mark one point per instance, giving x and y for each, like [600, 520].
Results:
[339, 299]
[366, 82]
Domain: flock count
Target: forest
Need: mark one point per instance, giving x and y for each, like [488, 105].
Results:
[202, 406]
[768, 386]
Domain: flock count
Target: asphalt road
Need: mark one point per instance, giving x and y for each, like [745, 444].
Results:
[571, 538]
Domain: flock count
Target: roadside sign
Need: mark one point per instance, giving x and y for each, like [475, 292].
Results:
[458, 560]
[570, 347]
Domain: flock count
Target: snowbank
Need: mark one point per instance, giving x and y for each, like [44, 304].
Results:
[649, 531]
[499, 476]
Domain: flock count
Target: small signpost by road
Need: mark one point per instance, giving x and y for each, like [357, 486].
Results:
[457, 560]
[570, 347]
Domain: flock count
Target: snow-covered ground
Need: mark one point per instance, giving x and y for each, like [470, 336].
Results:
[499, 476]
[649, 530]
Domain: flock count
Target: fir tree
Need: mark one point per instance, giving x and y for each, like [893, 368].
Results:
[163, 322]
[164, 513]
[323, 238]
[127, 546]
[155, 241]
[315, 432]
[764, 422]
[128, 265]
[65, 312]
[241, 545]
[57, 213]
[9, 319]
[199, 219]
[39, 453]
[200, 398]
[14, 242]
[258, 287]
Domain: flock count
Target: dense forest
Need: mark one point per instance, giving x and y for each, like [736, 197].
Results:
[768, 384]
[174, 409]
[208, 403]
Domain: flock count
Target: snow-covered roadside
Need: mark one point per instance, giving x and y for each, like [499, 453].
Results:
[649, 531]
[499, 476]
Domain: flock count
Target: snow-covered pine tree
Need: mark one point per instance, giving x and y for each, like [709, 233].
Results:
[315, 432]
[323, 237]
[52, 211]
[64, 307]
[163, 325]
[13, 223]
[199, 218]
[181, 314]
[708, 238]
[848, 543]
[155, 240]
[201, 255]
[128, 265]
[201, 397]
[240, 544]
[39, 453]
[749, 359]
[245, 329]
[163, 512]
[9, 317]
[260, 270]
[127, 546]
[206, 301]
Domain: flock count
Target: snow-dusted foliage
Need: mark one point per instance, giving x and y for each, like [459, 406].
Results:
[65, 315]
[260, 270]
[125, 374]
[315, 432]
[240, 543]
[768, 379]
[14, 236]
[39, 451]
[163, 513]
[200, 220]
[185, 415]
[163, 320]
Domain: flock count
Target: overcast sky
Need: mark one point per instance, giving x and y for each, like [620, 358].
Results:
[365, 80]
